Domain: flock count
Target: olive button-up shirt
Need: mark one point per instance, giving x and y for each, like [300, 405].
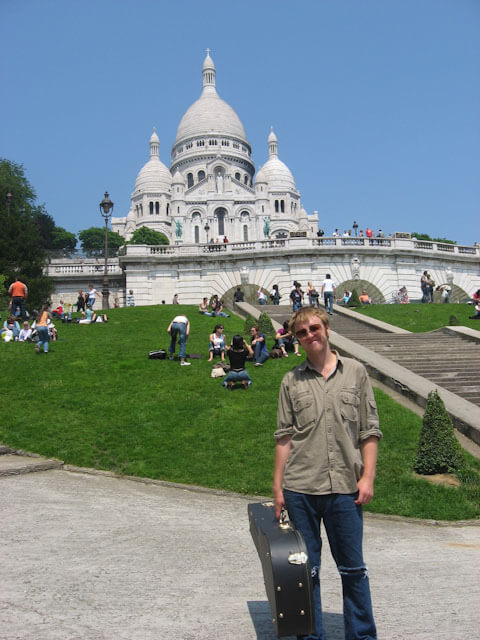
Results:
[326, 419]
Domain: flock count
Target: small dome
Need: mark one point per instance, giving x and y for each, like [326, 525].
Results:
[272, 137]
[277, 174]
[154, 176]
[261, 176]
[154, 137]
[208, 62]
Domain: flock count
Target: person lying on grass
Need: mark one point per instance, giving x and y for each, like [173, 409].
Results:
[238, 351]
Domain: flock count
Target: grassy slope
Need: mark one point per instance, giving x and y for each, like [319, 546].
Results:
[96, 400]
[421, 317]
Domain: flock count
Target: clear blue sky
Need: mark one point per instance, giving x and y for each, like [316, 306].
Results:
[375, 102]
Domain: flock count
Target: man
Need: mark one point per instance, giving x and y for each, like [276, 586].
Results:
[19, 293]
[238, 295]
[179, 327]
[326, 452]
[328, 293]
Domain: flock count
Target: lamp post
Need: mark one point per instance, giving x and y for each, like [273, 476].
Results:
[106, 207]
[9, 202]
[207, 229]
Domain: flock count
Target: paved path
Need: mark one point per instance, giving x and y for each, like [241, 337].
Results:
[92, 557]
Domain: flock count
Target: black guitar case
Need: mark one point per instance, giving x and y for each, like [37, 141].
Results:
[286, 571]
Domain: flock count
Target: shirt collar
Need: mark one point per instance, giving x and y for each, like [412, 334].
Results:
[307, 365]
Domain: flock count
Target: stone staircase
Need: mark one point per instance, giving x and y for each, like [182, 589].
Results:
[450, 361]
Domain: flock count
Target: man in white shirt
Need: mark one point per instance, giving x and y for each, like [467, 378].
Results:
[328, 292]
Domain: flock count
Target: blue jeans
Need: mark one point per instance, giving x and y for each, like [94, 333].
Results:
[328, 299]
[343, 523]
[261, 352]
[262, 301]
[43, 338]
[178, 329]
[296, 306]
[91, 302]
[237, 376]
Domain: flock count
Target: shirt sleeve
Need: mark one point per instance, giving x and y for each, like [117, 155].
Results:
[369, 422]
[284, 413]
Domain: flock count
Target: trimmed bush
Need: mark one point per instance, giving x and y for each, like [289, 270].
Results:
[438, 449]
[265, 325]
[249, 323]
[354, 299]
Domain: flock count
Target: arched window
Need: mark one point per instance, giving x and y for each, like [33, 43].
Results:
[189, 180]
[245, 180]
[141, 209]
[237, 176]
[276, 206]
[197, 234]
[151, 208]
[168, 208]
[245, 233]
[220, 216]
[282, 206]
[201, 175]
[157, 208]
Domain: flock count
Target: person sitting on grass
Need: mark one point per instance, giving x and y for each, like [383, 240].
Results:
[286, 341]
[217, 343]
[89, 316]
[259, 346]
[477, 312]
[365, 298]
[11, 325]
[238, 352]
[203, 308]
[217, 307]
[26, 333]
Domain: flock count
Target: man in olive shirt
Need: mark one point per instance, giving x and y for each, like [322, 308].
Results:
[326, 453]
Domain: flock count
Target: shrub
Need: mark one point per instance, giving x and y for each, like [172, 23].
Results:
[249, 323]
[354, 299]
[453, 321]
[265, 325]
[438, 449]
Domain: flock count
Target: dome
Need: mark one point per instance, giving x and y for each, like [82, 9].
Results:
[154, 176]
[177, 178]
[274, 171]
[210, 114]
[277, 174]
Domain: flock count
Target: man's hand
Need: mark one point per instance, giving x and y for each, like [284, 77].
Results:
[279, 502]
[365, 490]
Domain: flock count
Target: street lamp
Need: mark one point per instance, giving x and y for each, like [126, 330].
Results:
[207, 229]
[106, 207]
[9, 202]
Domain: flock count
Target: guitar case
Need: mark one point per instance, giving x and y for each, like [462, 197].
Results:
[286, 571]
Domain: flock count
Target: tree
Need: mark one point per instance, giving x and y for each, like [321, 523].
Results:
[22, 251]
[438, 449]
[144, 235]
[93, 241]
[425, 236]
[54, 239]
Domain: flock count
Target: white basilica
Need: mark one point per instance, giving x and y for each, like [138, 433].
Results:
[211, 191]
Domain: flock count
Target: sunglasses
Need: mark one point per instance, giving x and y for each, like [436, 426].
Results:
[313, 328]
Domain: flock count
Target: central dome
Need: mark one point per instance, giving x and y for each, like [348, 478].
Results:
[210, 114]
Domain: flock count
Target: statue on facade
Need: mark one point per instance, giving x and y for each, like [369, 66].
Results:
[266, 227]
[219, 183]
[178, 228]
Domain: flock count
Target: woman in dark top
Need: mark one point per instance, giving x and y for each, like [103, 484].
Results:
[238, 352]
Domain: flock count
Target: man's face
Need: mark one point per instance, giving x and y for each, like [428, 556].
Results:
[312, 335]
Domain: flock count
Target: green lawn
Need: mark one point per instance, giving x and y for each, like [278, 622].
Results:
[97, 400]
[421, 317]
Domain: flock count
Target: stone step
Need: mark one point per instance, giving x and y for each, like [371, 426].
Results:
[12, 464]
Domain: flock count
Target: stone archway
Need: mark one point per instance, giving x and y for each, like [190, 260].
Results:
[456, 295]
[361, 285]
[250, 294]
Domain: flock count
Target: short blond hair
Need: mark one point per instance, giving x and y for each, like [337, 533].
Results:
[304, 314]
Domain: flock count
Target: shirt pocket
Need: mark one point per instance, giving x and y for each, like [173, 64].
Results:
[349, 405]
[304, 410]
